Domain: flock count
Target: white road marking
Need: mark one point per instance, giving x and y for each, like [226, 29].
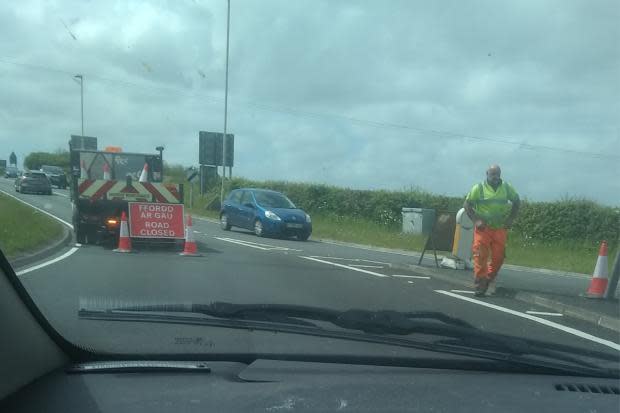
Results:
[463, 291]
[366, 266]
[351, 259]
[58, 193]
[419, 277]
[548, 323]
[544, 313]
[265, 247]
[46, 263]
[242, 243]
[197, 232]
[376, 274]
[52, 261]
[38, 209]
[410, 282]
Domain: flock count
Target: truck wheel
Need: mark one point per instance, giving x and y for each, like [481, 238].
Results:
[80, 234]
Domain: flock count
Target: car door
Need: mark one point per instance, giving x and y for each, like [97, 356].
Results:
[247, 210]
[231, 207]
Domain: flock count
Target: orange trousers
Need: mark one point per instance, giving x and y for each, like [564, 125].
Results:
[488, 243]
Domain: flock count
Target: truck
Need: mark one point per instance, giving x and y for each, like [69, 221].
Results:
[105, 183]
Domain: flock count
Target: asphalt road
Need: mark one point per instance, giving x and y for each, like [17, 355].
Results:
[238, 267]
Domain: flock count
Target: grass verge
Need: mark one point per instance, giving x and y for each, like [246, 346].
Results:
[24, 229]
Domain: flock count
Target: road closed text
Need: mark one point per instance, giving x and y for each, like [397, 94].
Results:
[152, 220]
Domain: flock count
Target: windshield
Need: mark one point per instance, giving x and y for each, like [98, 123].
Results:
[52, 169]
[35, 175]
[378, 161]
[272, 200]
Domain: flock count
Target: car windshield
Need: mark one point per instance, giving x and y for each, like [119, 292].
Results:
[51, 169]
[272, 200]
[35, 175]
[332, 167]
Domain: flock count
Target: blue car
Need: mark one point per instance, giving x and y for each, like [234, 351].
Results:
[265, 212]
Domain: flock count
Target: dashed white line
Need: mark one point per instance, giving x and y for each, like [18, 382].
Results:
[548, 323]
[366, 266]
[264, 247]
[376, 274]
[351, 259]
[544, 313]
[419, 277]
[238, 242]
[63, 195]
[410, 282]
[463, 291]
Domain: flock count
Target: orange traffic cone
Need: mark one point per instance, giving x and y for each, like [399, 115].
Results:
[598, 284]
[191, 249]
[106, 172]
[144, 176]
[124, 242]
[83, 171]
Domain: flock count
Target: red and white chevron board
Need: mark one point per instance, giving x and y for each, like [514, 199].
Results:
[99, 189]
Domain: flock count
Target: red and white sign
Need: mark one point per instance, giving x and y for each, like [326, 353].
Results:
[156, 220]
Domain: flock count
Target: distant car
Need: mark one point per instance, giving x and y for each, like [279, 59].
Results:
[56, 175]
[265, 212]
[11, 172]
[33, 182]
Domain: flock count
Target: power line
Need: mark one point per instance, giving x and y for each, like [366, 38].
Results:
[322, 115]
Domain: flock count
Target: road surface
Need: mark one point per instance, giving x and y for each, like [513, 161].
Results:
[237, 266]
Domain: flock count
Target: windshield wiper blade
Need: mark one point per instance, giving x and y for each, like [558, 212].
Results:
[368, 321]
[459, 337]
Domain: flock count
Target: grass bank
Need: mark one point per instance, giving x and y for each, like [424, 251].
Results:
[24, 229]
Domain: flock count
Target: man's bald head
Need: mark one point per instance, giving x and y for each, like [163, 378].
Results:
[494, 175]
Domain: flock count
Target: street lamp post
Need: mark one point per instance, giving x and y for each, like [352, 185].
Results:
[225, 109]
[81, 77]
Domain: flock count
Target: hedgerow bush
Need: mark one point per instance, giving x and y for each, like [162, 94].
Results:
[564, 220]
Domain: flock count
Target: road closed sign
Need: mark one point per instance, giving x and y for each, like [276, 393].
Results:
[156, 220]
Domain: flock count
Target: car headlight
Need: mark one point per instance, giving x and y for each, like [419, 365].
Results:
[272, 215]
[308, 219]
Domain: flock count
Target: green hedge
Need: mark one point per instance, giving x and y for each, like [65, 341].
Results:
[579, 220]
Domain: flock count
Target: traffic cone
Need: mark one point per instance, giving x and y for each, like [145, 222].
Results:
[191, 249]
[144, 176]
[83, 171]
[106, 172]
[598, 284]
[124, 242]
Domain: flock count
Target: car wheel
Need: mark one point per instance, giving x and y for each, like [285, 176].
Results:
[303, 236]
[258, 228]
[224, 222]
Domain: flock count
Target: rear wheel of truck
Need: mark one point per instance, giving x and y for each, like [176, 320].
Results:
[80, 234]
[79, 229]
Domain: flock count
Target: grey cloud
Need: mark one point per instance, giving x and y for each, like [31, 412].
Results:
[536, 73]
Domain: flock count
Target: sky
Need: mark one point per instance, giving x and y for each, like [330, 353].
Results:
[363, 94]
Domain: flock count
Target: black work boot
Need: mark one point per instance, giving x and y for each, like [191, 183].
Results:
[481, 286]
